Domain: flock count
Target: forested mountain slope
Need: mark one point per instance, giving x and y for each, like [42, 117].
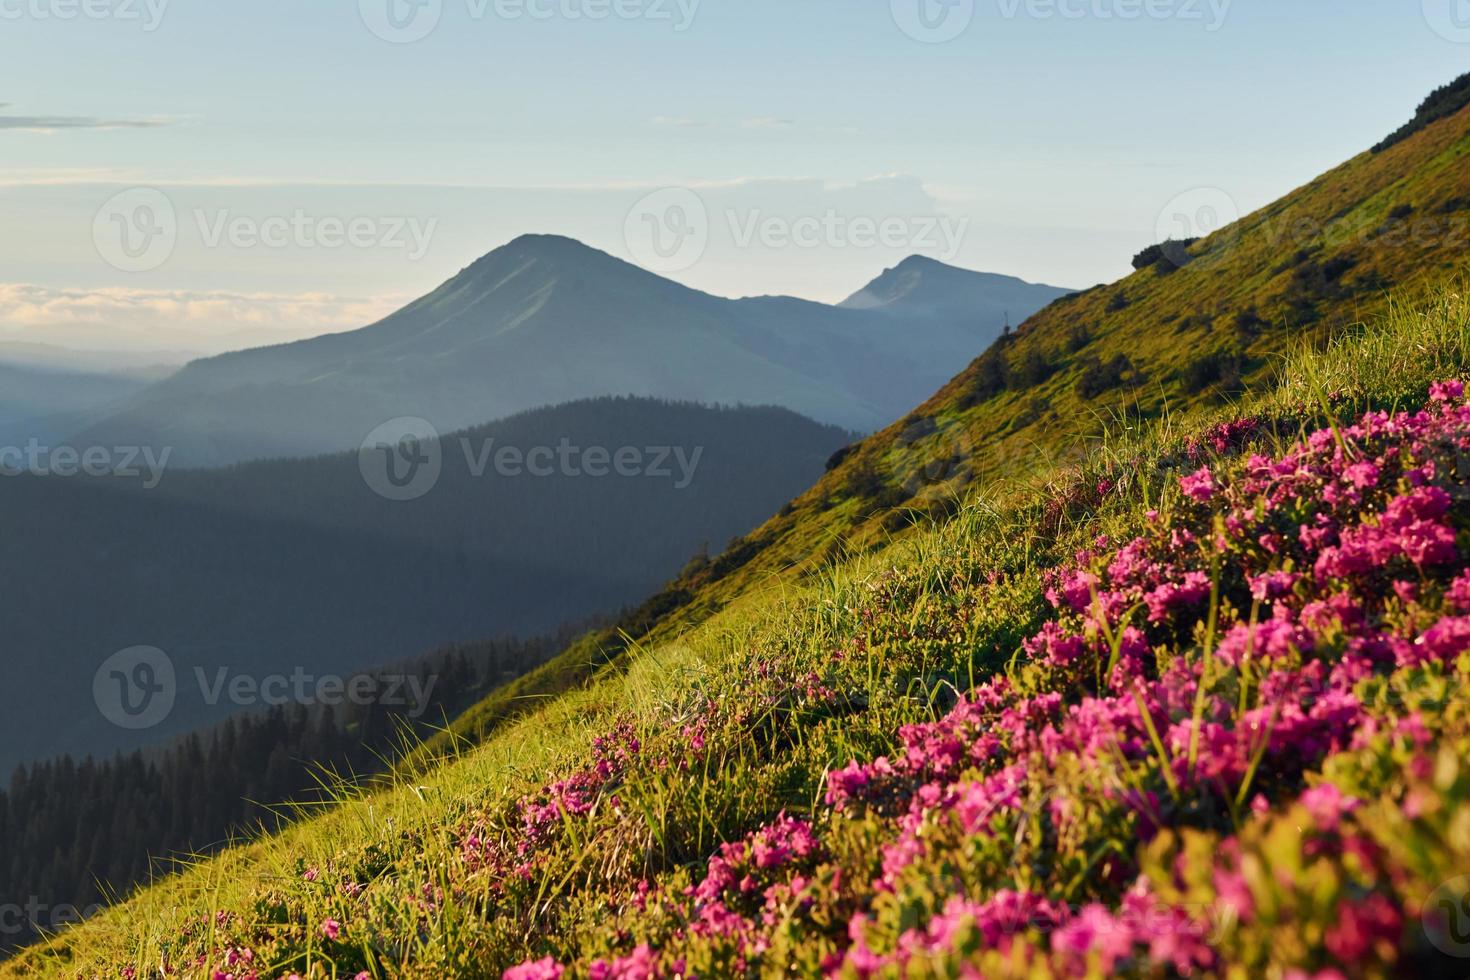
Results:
[305, 564]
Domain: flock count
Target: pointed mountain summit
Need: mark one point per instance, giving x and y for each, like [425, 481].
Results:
[920, 286]
[980, 304]
[545, 320]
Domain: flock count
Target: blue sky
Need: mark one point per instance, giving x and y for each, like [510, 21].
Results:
[1047, 139]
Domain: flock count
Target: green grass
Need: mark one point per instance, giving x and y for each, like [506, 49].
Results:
[914, 618]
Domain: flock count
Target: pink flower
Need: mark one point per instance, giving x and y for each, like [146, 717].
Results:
[1444, 392]
[844, 785]
[1271, 586]
[1171, 596]
[1094, 930]
[1275, 639]
[1364, 476]
[1327, 805]
[1361, 926]
[641, 964]
[1443, 642]
[544, 969]
[331, 928]
[1053, 646]
[1459, 593]
[1199, 485]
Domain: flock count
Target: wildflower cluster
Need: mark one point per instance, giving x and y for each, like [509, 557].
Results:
[1199, 710]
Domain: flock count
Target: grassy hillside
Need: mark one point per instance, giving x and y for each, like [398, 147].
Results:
[1158, 708]
[1187, 332]
[1045, 679]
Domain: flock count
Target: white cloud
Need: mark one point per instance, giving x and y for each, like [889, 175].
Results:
[204, 321]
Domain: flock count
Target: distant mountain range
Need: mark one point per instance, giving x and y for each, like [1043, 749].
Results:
[141, 365]
[269, 567]
[44, 402]
[545, 320]
[920, 288]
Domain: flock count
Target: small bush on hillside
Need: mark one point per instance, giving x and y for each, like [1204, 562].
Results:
[1078, 337]
[867, 483]
[1217, 369]
[1168, 256]
[1395, 221]
[1098, 377]
[988, 379]
[1442, 102]
[1035, 410]
[1248, 325]
[737, 554]
[1195, 321]
[1030, 370]
[1314, 282]
[1118, 302]
[840, 457]
[917, 429]
[991, 374]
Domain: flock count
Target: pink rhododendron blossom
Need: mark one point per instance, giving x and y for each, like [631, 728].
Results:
[641, 964]
[1199, 485]
[544, 969]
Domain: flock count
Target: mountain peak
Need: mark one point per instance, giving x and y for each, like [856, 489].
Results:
[920, 285]
[556, 257]
[550, 247]
[547, 243]
[920, 262]
[545, 259]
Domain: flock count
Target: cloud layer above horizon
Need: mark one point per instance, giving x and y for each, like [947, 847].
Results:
[176, 321]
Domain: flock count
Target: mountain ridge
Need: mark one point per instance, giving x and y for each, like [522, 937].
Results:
[543, 320]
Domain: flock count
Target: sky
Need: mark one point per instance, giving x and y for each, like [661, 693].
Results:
[192, 176]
